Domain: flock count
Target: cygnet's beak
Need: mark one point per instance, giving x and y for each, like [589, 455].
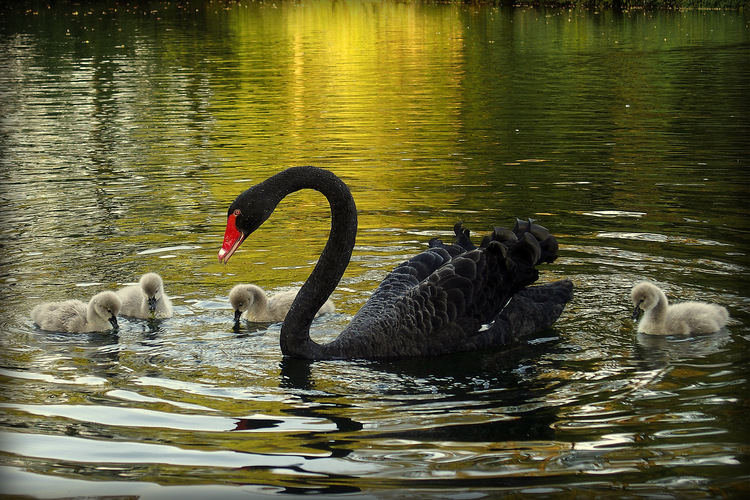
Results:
[636, 312]
[237, 315]
[152, 303]
[113, 322]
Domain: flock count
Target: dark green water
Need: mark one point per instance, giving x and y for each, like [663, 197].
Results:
[126, 131]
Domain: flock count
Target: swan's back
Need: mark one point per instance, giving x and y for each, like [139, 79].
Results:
[451, 298]
[65, 316]
[695, 317]
[280, 303]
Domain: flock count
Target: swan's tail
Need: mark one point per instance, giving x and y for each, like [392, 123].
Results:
[532, 310]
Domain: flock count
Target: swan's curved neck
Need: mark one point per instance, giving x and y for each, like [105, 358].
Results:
[260, 301]
[295, 332]
[659, 311]
[92, 315]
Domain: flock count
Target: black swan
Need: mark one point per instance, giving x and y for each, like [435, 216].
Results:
[146, 299]
[252, 301]
[75, 316]
[678, 319]
[446, 299]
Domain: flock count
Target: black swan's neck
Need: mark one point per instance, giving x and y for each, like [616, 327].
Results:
[295, 332]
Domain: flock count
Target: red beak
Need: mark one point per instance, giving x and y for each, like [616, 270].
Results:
[233, 238]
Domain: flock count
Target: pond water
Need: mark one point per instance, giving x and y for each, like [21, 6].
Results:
[126, 132]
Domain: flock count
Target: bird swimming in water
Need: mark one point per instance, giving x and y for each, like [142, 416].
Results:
[76, 316]
[661, 318]
[252, 301]
[446, 299]
[146, 300]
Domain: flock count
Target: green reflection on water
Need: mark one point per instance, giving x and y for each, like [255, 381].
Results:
[126, 133]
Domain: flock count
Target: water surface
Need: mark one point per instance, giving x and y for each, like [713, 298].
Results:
[126, 132]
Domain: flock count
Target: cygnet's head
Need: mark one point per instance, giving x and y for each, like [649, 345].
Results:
[153, 287]
[645, 296]
[106, 306]
[242, 298]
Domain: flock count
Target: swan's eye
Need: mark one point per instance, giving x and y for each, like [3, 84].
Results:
[237, 212]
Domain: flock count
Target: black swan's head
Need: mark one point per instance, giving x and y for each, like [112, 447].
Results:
[246, 214]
